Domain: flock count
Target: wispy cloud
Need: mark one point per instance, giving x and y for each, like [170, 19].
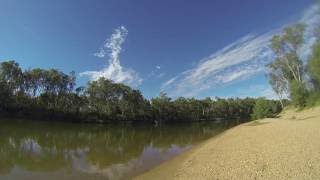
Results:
[237, 61]
[258, 90]
[112, 49]
[156, 73]
[169, 83]
[311, 19]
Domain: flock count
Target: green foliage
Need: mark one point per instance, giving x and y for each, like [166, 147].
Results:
[313, 99]
[111, 100]
[11, 74]
[162, 107]
[287, 75]
[5, 97]
[287, 63]
[51, 94]
[265, 108]
[298, 94]
[313, 67]
[313, 70]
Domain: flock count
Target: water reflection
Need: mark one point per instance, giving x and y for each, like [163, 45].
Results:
[44, 150]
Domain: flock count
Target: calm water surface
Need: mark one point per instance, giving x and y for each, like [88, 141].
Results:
[32, 150]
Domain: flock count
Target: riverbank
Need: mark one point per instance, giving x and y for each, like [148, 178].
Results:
[287, 147]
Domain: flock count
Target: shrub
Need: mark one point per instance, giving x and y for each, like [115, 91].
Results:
[313, 99]
[265, 108]
[299, 94]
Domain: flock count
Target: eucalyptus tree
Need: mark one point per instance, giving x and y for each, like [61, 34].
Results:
[34, 81]
[162, 107]
[313, 70]
[286, 72]
[279, 83]
[138, 105]
[221, 108]
[286, 48]
[100, 97]
[5, 97]
[11, 73]
[314, 67]
[51, 86]
[182, 109]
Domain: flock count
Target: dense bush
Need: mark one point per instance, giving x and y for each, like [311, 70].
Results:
[298, 94]
[313, 99]
[265, 109]
[5, 97]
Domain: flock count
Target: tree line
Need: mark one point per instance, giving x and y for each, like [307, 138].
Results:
[51, 94]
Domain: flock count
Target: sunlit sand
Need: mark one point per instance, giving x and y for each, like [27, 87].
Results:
[284, 148]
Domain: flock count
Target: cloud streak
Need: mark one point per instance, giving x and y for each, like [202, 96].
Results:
[237, 61]
[112, 49]
[311, 19]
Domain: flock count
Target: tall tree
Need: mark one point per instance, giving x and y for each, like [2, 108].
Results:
[287, 68]
[286, 48]
[11, 73]
[162, 106]
[313, 67]
[279, 83]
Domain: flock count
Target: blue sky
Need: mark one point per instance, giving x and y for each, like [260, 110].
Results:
[185, 48]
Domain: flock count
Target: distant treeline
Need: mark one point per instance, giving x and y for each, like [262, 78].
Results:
[53, 95]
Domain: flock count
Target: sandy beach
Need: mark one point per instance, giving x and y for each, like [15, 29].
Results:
[287, 147]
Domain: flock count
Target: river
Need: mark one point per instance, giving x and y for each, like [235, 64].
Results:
[32, 150]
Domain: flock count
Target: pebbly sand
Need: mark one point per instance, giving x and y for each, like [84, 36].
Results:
[284, 148]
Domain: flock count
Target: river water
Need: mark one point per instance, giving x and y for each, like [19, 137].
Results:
[32, 150]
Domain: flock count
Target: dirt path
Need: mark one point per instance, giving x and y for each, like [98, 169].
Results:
[283, 148]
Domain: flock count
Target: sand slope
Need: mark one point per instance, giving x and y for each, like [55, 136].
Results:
[283, 148]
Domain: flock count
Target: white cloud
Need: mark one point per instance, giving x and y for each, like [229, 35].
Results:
[169, 82]
[101, 53]
[237, 61]
[114, 70]
[259, 90]
[161, 75]
[311, 18]
[156, 73]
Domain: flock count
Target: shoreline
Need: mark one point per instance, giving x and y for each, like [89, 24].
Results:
[274, 148]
